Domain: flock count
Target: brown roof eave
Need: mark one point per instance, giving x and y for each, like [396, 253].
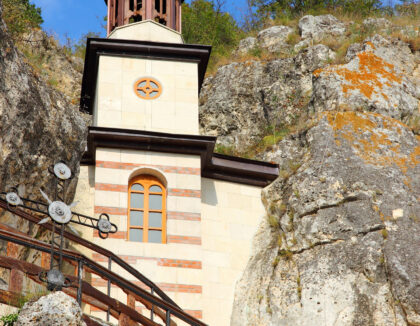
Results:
[213, 165]
[142, 49]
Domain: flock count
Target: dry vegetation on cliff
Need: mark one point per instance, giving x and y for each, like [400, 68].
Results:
[368, 75]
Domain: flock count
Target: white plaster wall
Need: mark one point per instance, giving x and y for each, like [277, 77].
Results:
[117, 105]
[230, 215]
[147, 30]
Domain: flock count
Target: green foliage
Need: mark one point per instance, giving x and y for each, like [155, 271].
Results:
[275, 9]
[203, 22]
[408, 8]
[21, 16]
[274, 134]
[78, 48]
[226, 150]
[9, 320]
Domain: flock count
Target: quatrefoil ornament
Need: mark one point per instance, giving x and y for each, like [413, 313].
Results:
[147, 88]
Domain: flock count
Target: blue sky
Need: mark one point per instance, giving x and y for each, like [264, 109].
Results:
[73, 18]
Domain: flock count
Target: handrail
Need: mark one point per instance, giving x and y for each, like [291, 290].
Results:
[164, 302]
[32, 271]
[104, 273]
[93, 247]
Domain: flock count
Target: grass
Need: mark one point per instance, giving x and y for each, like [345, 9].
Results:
[286, 254]
[273, 221]
[10, 319]
[356, 33]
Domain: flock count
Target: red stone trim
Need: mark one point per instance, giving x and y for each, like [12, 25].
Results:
[179, 263]
[184, 239]
[116, 235]
[181, 288]
[165, 262]
[164, 168]
[185, 193]
[170, 215]
[170, 239]
[111, 210]
[111, 187]
[167, 287]
[172, 191]
[195, 313]
[184, 216]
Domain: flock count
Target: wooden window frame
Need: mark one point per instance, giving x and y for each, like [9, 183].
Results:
[147, 181]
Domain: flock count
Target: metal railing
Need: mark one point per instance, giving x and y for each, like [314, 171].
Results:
[156, 301]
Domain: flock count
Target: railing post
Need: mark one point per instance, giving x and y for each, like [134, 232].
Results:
[80, 281]
[152, 311]
[108, 313]
[168, 318]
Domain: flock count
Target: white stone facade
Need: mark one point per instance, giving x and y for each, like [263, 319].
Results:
[210, 222]
[117, 105]
[209, 235]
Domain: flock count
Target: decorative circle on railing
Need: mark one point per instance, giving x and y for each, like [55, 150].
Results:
[147, 88]
[104, 225]
[13, 199]
[62, 171]
[59, 212]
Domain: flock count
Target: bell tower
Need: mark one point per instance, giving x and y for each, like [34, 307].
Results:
[124, 12]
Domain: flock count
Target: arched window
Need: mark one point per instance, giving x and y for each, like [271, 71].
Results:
[146, 210]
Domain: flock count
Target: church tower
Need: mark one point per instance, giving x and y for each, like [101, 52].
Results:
[165, 12]
[143, 76]
[186, 216]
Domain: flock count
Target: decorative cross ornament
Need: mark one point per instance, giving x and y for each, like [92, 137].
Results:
[147, 88]
[61, 215]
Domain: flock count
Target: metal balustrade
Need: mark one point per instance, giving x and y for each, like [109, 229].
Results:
[157, 302]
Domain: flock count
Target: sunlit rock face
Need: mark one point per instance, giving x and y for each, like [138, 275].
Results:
[39, 127]
[373, 80]
[341, 245]
[340, 242]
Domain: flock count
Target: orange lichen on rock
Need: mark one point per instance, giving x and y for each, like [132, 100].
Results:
[370, 76]
[372, 137]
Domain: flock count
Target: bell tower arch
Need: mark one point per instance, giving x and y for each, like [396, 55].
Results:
[124, 12]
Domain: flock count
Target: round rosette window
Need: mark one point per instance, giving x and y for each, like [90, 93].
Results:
[147, 88]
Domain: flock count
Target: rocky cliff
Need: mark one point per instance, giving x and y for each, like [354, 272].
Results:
[340, 243]
[38, 125]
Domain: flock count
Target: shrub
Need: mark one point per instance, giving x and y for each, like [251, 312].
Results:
[203, 22]
[21, 16]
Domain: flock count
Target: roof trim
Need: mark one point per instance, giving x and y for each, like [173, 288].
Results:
[139, 49]
[213, 165]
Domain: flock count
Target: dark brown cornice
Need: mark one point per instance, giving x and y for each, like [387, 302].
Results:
[213, 165]
[138, 49]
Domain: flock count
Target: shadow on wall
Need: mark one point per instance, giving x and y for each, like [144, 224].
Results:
[209, 195]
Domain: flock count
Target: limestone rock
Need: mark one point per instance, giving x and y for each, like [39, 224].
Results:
[274, 38]
[39, 127]
[242, 99]
[61, 70]
[392, 51]
[246, 45]
[376, 23]
[319, 27]
[55, 309]
[341, 245]
[369, 82]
